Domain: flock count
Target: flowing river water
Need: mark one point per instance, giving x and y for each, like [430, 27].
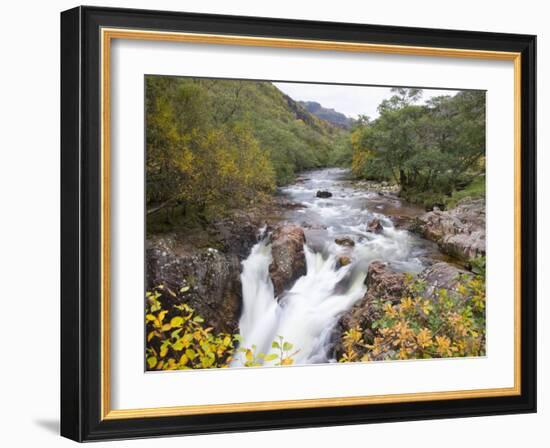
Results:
[307, 313]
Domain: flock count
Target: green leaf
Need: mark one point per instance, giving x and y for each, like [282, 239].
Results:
[275, 344]
[175, 333]
[287, 346]
[271, 357]
[178, 345]
[198, 319]
[185, 288]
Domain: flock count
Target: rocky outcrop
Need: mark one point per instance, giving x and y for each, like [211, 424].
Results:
[459, 232]
[235, 236]
[207, 280]
[324, 194]
[288, 258]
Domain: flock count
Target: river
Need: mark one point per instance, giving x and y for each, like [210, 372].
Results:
[307, 313]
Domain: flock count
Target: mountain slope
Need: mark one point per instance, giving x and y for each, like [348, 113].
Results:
[330, 115]
[295, 139]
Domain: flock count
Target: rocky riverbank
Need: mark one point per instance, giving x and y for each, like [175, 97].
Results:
[459, 232]
[202, 267]
[384, 285]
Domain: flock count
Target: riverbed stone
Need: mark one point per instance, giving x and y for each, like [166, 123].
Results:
[288, 257]
[375, 226]
[343, 261]
[345, 241]
[323, 194]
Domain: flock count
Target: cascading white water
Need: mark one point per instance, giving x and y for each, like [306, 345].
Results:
[308, 311]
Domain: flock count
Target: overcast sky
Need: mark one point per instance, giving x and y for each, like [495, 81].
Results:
[349, 100]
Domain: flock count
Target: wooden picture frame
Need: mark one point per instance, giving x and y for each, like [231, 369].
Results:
[86, 35]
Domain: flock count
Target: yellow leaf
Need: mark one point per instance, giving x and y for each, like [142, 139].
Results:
[152, 361]
[249, 355]
[161, 315]
[176, 322]
[150, 336]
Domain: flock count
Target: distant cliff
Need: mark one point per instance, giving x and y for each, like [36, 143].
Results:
[330, 115]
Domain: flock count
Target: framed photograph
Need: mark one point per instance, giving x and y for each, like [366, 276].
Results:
[276, 224]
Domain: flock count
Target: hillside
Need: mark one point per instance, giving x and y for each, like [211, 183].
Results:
[213, 145]
[330, 115]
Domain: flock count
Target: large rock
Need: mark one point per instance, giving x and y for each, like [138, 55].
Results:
[288, 258]
[206, 279]
[236, 235]
[382, 284]
[459, 232]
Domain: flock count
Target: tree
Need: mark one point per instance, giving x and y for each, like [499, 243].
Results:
[430, 150]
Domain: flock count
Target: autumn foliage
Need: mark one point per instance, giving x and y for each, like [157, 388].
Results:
[424, 323]
[177, 339]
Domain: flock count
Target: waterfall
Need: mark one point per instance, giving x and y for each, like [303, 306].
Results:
[305, 313]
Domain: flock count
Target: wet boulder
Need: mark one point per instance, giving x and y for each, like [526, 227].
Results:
[375, 226]
[343, 261]
[345, 241]
[323, 194]
[288, 257]
[403, 222]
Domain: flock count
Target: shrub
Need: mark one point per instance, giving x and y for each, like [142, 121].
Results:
[441, 324]
[179, 340]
